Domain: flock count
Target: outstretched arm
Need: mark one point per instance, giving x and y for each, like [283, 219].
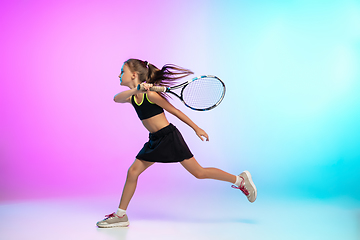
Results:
[159, 100]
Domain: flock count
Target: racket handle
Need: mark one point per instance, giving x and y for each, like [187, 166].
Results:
[153, 88]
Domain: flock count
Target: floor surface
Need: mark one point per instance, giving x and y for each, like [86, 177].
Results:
[197, 219]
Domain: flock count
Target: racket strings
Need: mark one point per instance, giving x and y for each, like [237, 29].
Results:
[204, 93]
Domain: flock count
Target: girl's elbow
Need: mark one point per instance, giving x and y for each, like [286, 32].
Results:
[119, 100]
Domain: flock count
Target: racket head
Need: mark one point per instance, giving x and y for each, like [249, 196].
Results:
[203, 93]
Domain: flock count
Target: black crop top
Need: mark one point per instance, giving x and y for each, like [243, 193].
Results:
[146, 109]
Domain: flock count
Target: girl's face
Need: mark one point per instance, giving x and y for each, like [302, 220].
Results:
[125, 75]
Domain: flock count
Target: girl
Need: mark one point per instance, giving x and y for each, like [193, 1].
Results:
[165, 141]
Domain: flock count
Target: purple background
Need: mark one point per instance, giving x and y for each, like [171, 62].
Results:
[290, 115]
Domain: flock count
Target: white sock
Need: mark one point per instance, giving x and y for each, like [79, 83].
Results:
[120, 212]
[238, 181]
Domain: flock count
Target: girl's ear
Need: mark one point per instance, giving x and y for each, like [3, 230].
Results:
[134, 75]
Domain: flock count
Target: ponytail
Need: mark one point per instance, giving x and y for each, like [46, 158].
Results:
[166, 76]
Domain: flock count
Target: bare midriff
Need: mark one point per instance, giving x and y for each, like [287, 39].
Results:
[155, 123]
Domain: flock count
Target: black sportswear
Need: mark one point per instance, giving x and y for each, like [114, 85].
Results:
[166, 145]
[146, 109]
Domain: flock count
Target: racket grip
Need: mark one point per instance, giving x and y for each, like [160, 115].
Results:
[153, 88]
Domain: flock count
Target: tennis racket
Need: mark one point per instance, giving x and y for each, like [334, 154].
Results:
[200, 93]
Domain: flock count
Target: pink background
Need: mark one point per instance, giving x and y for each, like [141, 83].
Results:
[290, 114]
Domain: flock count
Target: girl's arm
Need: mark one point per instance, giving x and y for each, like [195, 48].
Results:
[162, 102]
[124, 96]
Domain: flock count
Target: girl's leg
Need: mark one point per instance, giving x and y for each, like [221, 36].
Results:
[131, 181]
[201, 173]
[243, 181]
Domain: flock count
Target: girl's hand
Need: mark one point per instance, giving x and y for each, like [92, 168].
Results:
[201, 133]
[146, 86]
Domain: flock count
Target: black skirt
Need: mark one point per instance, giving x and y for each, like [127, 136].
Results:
[165, 146]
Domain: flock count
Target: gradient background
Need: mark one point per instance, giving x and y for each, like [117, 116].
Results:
[291, 113]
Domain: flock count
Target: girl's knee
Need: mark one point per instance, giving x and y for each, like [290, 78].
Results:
[200, 174]
[133, 172]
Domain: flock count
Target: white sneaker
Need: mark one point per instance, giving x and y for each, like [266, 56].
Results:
[247, 186]
[113, 220]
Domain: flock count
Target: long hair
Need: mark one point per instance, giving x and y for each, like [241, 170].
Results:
[149, 73]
